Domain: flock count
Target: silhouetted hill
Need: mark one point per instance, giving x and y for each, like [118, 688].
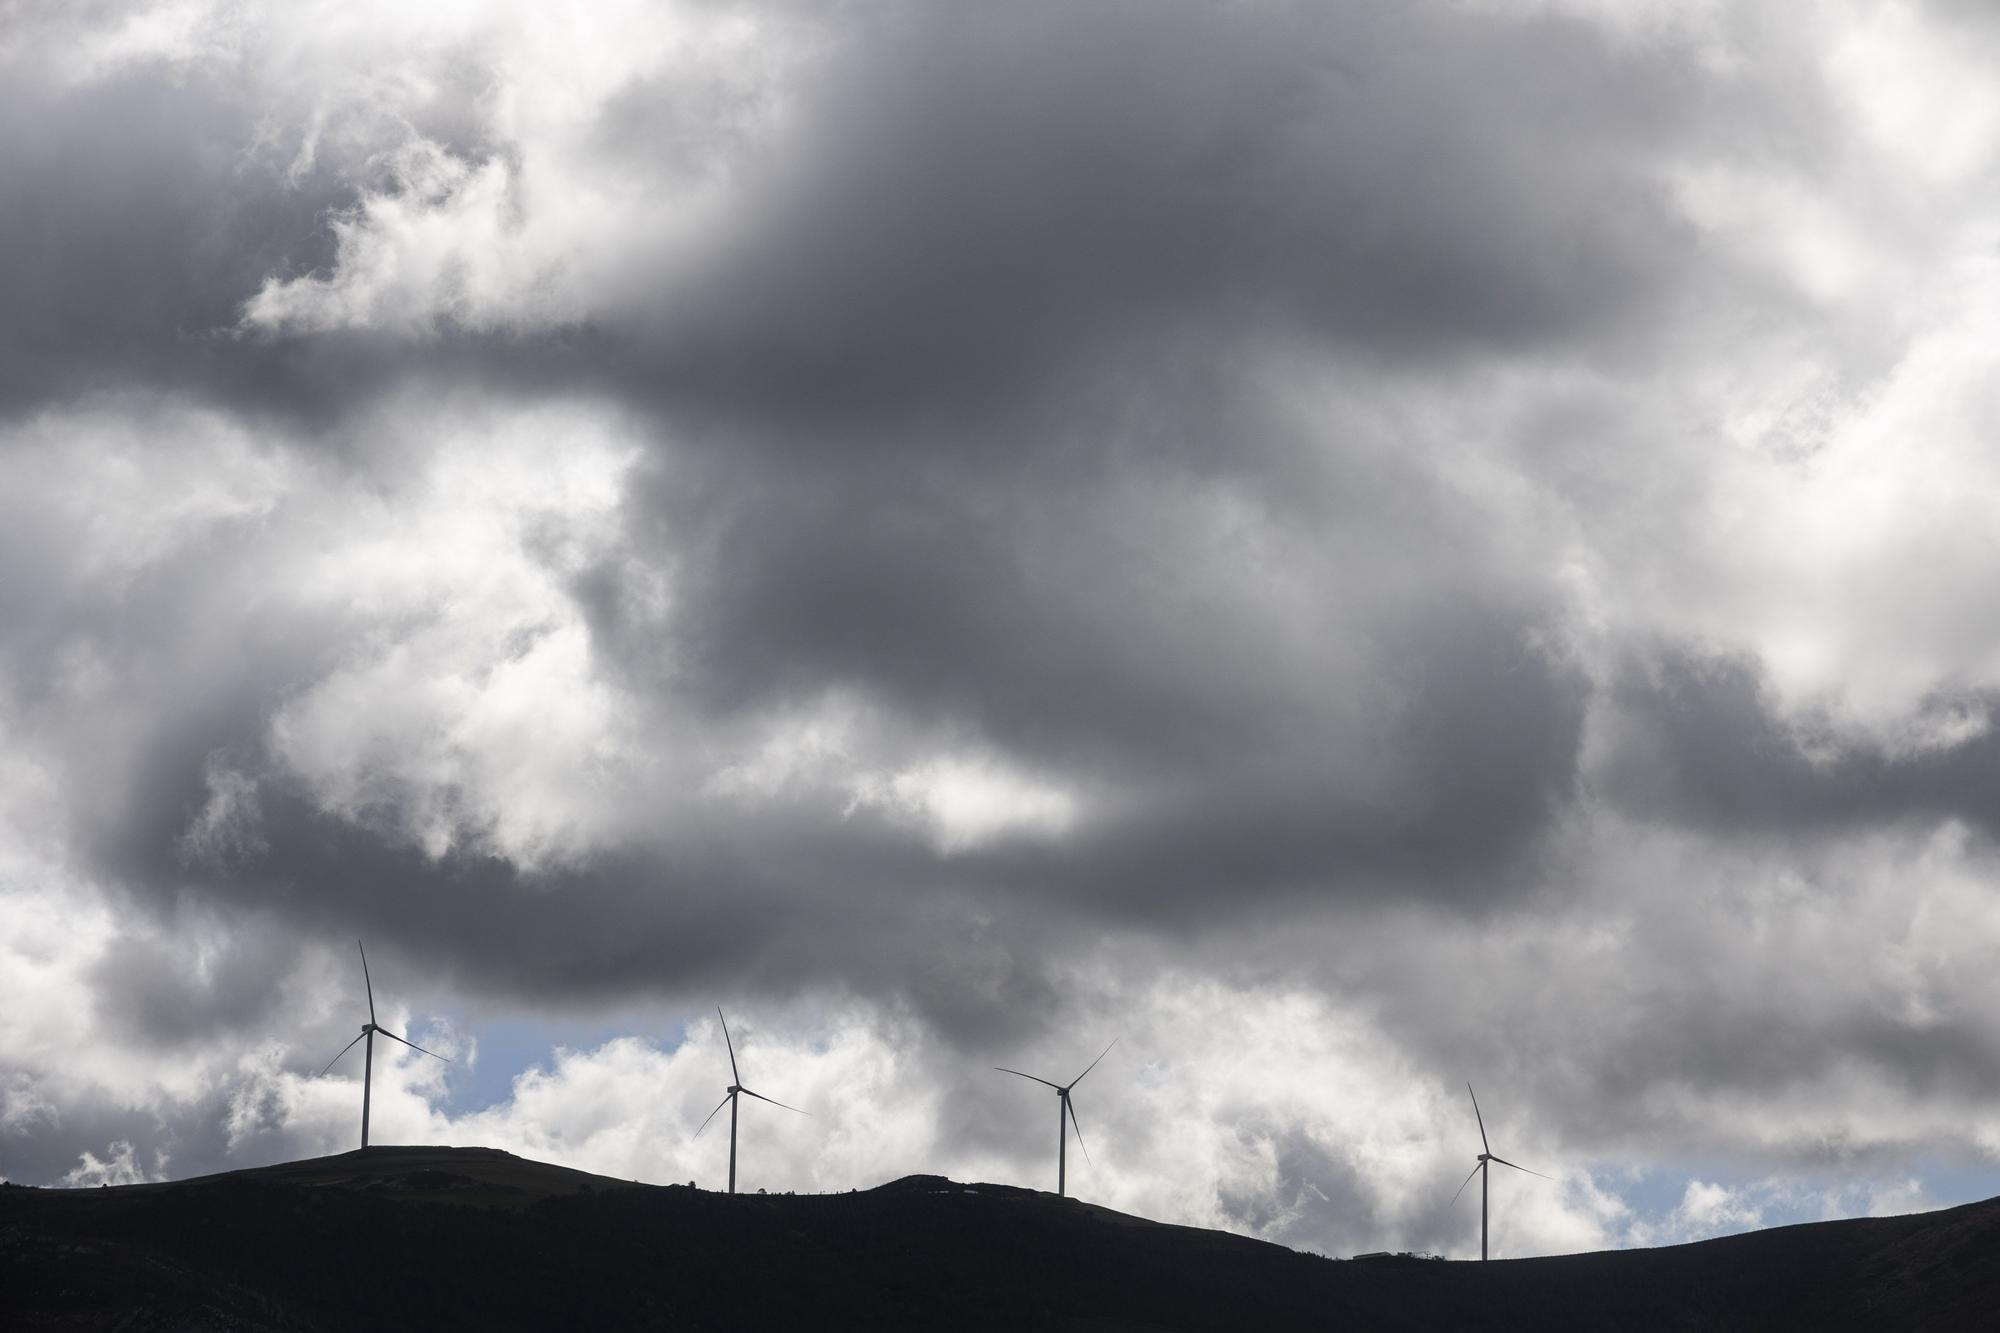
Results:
[475, 1238]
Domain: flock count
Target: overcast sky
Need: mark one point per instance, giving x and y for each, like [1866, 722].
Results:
[1355, 548]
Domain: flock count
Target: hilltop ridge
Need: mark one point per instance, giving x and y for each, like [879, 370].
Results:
[478, 1238]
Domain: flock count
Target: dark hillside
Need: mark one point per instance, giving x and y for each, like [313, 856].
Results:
[473, 1238]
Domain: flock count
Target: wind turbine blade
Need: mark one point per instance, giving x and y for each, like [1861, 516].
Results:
[734, 1077]
[413, 1046]
[1481, 1119]
[773, 1100]
[1504, 1162]
[1044, 1082]
[1093, 1064]
[367, 981]
[343, 1051]
[1462, 1184]
[712, 1114]
[1079, 1128]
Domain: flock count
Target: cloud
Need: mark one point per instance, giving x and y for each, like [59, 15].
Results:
[121, 1169]
[1358, 550]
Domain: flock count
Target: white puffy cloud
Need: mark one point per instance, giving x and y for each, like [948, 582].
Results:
[119, 1169]
[519, 201]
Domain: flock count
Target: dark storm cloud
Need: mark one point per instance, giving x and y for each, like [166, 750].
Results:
[985, 196]
[863, 909]
[146, 206]
[1027, 254]
[993, 206]
[1233, 781]
[157, 992]
[1089, 625]
[1701, 739]
[136, 223]
[1003, 288]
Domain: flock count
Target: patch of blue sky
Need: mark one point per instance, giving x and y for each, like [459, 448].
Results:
[1701, 1199]
[511, 1043]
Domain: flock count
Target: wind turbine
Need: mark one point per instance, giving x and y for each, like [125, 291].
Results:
[1063, 1108]
[1486, 1159]
[729, 1100]
[368, 1031]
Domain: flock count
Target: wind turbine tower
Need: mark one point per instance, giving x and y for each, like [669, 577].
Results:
[368, 1031]
[729, 1099]
[1065, 1117]
[1486, 1160]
